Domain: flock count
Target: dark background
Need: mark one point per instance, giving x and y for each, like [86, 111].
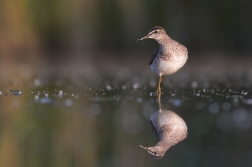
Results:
[90, 26]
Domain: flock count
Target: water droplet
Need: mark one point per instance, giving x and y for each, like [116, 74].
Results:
[196, 94]
[60, 93]
[15, 92]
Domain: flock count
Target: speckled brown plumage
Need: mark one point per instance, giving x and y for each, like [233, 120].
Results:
[169, 57]
[169, 128]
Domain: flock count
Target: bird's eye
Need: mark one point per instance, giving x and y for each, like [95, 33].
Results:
[155, 31]
[155, 153]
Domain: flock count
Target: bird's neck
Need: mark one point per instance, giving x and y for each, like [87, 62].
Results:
[166, 140]
[164, 40]
[163, 145]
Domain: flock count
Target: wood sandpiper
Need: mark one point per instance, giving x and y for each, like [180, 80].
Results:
[169, 128]
[169, 57]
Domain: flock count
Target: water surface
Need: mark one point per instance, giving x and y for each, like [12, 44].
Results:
[73, 116]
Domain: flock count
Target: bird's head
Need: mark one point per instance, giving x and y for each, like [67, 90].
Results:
[155, 152]
[157, 33]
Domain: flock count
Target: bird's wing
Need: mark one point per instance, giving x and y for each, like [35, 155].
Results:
[154, 55]
[176, 49]
[154, 130]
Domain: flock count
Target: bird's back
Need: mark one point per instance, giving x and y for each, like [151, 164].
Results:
[165, 117]
[174, 51]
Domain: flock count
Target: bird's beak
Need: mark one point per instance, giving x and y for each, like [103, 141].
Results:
[145, 148]
[145, 37]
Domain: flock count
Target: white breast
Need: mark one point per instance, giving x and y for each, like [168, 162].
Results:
[166, 67]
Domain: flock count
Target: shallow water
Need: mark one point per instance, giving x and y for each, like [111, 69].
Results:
[98, 127]
[54, 120]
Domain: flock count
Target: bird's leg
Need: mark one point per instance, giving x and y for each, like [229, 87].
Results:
[159, 83]
[159, 101]
[158, 86]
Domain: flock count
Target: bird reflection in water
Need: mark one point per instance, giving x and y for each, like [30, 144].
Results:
[168, 127]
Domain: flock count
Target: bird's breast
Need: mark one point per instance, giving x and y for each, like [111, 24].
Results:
[166, 66]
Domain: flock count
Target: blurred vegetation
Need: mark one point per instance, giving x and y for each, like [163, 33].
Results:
[113, 25]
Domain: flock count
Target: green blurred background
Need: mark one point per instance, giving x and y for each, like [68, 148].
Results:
[114, 25]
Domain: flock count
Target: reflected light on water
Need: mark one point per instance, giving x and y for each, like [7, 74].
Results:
[168, 127]
[68, 116]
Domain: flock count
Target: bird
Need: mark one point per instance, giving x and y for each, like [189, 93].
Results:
[169, 127]
[169, 57]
